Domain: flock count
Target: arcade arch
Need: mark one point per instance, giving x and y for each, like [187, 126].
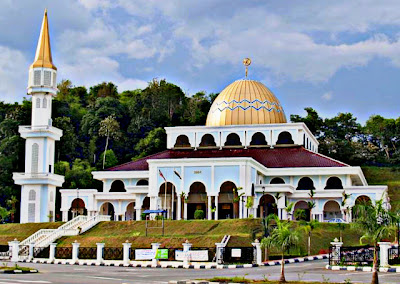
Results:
[167, 195]
[182, 141]
[207, 141]
[196, 199]
[332, 210]
[303, 206]
[117, 186]
[284, 138]
[267, 206]
[258, 139]
[334, 183]
[107, 209]
[233, 140]
[227, 207]
[77, 208]
[305, 183]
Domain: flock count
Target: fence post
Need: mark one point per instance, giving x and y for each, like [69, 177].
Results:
[31, 247]
[218, 253]
[186, 249]
[75, 251]
[14, 250]
[52, 252]
[257, 251]
[99, 251]
[154, 247]
[126, 246]
[335, 256]
[384, 253]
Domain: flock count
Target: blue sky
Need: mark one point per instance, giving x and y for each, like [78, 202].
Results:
[335, 56]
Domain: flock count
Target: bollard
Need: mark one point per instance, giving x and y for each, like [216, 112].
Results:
[100, 248]
[52, 253]
[127, 247]
[384, 253]
[186, 249]
[155, 262]
[75, 251]
[257, 259]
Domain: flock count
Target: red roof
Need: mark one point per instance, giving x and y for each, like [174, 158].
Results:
[288, 157]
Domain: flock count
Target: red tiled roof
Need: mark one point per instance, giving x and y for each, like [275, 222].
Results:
[288, 157]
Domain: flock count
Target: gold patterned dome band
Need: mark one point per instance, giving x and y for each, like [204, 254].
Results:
[245, 102]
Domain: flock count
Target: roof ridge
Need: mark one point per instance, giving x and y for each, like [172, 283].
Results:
[326, 157]
[141, 159]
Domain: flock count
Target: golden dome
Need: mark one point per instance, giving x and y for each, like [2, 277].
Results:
[245, 102]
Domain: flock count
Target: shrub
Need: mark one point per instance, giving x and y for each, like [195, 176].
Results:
[199, 214]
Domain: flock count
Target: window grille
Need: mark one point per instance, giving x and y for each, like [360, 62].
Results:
[44, 103]
[35, 158]
[32, 195]
[47, 78]
[37, 103]
[31, 212]
[36, 78]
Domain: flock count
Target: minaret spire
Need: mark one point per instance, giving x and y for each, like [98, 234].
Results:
[43, 51]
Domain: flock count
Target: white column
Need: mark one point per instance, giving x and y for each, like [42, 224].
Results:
[209, 207]
[52, 253]
[75, 251]
[31, 247]
[185, 210]
[186, 250]
[154, 247]
[179, 209]
[336, 251]
[216, 207]
[126, 248]
[138, 214]
[241, 207]
[65, 216]
[384, 253]
[14, 250]
[218, 254]
[258, 256]
[100, 248]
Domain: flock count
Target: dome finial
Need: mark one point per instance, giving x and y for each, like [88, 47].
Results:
[246, 62]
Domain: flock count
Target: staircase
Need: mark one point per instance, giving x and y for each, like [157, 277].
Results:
[74, 227]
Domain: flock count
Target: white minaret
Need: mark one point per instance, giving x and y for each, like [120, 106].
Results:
[38, 183]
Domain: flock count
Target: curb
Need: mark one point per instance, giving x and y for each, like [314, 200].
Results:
[195, 282]
[362, 269]
[90, 262]
[18, 271]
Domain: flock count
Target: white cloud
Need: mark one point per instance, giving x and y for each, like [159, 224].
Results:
[327, 96]
[12, 76]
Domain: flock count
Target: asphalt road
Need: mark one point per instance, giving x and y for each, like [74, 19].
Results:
[70, 274]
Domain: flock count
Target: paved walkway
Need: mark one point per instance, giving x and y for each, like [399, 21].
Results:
[71, 274]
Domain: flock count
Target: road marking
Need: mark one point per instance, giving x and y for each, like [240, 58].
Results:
[25, 281]
[104, 278]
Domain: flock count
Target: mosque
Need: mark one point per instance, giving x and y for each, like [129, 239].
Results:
[247, 161]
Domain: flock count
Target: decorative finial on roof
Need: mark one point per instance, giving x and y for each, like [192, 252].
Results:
[43, 51]
[246, 62]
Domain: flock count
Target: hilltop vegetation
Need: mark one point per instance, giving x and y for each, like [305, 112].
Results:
[134, 121]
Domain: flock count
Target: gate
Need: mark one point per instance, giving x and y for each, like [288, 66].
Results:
[394, 257]
[363, 255]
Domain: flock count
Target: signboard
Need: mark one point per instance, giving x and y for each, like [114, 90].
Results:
[147, 254]
[193, 255]
[236, 253]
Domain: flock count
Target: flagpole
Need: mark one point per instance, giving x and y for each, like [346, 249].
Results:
[165, 195]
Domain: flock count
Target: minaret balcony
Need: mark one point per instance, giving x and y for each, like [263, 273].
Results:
[38, 178]
[28, 131]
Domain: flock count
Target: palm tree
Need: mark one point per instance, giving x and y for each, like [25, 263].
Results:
[376, 222]
[308, 227]
[283, 236]
[289, 209]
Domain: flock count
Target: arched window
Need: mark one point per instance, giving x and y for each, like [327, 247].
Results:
[277, 181]
[44, 103]
[35, 158]
[32, 195]
[207, 141]
[305, 183]
[233, 140]
[117, 186]
[37, 103]
[284, 138]
[334, 183]
[182, 141]
[142, 182]
[258, 139]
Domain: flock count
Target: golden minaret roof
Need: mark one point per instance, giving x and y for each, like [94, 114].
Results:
[245, 102]
[43, 50]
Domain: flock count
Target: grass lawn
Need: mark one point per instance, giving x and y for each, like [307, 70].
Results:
[238, 279]
[9, 232]
[16, 267]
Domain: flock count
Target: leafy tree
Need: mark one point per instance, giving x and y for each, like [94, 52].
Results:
[154, 142]
[110, 160]
[4, 213]
[80, 176]
[308, 227]
[66, 149]
[12, 202]
[376, 222]
[109, 128]
[282, 237]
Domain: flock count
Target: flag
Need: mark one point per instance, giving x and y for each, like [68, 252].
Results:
[161, 175]
[179, 176]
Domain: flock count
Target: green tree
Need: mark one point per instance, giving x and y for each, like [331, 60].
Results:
[111, 159]
[282, 237]
[308, 227]
[154, 142]
[109, 128]
[4, 213]
[376, 222]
